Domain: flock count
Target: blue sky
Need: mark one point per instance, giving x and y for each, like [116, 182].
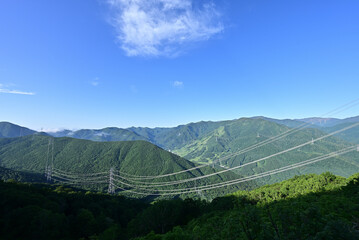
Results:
[93, 63]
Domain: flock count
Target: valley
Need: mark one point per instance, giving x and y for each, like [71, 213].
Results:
[185, 153]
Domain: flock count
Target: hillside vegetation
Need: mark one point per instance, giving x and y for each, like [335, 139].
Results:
[205, 142]
[305, 207]
[351, 135]
[243, 133]
[21, 176]
[75, 156]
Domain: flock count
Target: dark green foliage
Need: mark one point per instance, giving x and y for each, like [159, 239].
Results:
[307, 207]
[163, 215]
[314, 207]
[20, 176]
[29, 212]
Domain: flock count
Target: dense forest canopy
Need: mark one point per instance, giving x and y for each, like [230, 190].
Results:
[305, 207]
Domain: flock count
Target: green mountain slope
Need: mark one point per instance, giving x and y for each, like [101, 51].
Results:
[170, 138]
[243, 133]
[204, 142]
[9, 130]
[83, 157]
[352, 135]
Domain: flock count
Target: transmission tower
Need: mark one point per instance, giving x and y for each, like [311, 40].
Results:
[199, 191]
[48, 169]
[49, 173]
[111, 187]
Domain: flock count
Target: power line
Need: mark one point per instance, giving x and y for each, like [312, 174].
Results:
[249, 178]
[267, 157]
[329, 155]
[256, 161]
[79, 180]
[78, 177]
[250, 148]
[111, 187]
[212, 186]
[80, 174]
[75, 178]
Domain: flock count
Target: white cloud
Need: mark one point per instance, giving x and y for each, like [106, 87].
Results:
[101, 134]
[50, 130]
[162, 27]
[178, 84]
[95, 82]
[5, 90]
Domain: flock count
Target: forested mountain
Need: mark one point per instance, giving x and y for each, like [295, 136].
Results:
[351, 135]
[78, 157]
[243, 133]
[101, 135]
[9, 130]
[183, 135]
[312, 206]
[204, 142]
[327, 125]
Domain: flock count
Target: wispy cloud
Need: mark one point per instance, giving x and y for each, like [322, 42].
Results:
[95, 82]
[12, 91]
[50, 130]
[162, 27]
[178, 84]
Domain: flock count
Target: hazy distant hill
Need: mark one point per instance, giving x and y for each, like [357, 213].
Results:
[328, 122]
[287, 122]
[101, 135]
[9, 130]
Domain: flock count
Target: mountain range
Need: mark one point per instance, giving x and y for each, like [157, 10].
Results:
[153, 151]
